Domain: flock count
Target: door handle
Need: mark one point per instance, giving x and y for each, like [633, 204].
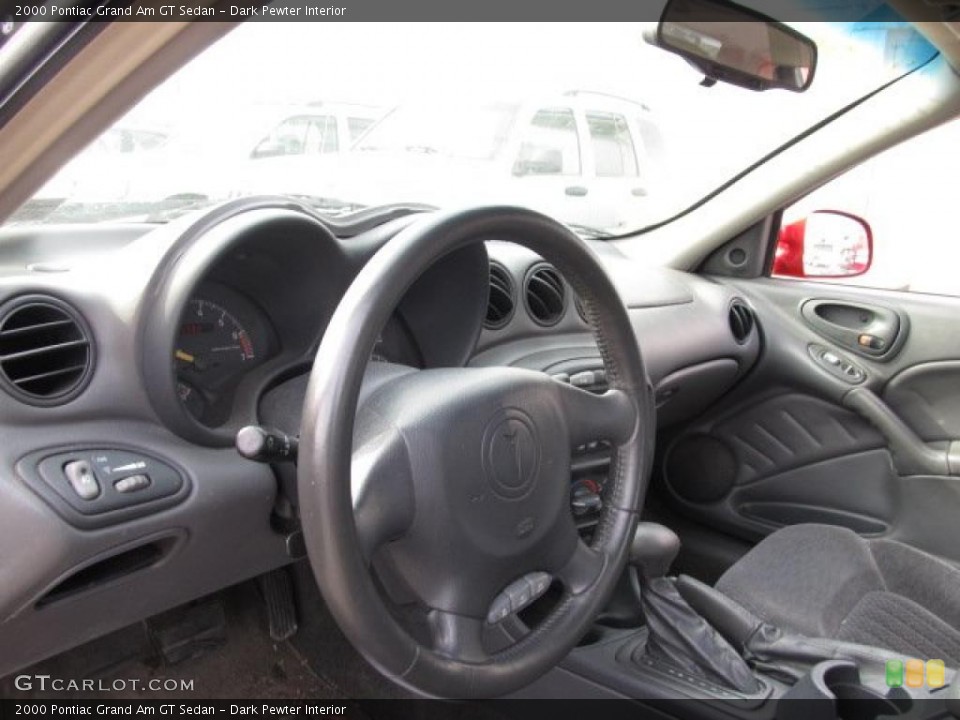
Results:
[576, 191]
[869, 330]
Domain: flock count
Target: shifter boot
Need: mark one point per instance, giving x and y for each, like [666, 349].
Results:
[679, 636]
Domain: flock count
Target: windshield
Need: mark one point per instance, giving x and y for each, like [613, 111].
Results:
[585, 122]
[462, 131]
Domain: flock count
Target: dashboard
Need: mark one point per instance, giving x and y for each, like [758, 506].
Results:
[159, 343]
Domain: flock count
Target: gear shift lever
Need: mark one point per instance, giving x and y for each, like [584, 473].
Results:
[676, 633]
[653, 550]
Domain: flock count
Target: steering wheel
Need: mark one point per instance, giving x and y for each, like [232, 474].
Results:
[454, 483]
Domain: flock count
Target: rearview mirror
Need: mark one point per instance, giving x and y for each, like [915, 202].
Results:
[825, 244]
[736, 45]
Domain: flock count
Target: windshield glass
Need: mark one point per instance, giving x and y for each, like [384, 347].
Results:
[460, 131]
[585, 122]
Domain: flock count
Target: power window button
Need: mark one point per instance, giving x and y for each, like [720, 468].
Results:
[82, 480]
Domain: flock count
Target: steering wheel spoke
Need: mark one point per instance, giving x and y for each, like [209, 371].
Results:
[582, 568]
[381, 486]
[457, 636]
[611, 416]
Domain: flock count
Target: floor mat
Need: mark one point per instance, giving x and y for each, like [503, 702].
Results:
[330, 654]
[243, 664]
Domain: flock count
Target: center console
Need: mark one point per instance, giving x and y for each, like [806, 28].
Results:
[717, 660]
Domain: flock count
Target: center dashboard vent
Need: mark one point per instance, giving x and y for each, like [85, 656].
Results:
[742, 321]
[46, 350]
[545, 295]
[500, 302]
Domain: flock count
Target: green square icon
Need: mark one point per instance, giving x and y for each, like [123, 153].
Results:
[894, 673]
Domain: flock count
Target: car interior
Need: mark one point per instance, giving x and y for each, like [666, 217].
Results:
[470, 452]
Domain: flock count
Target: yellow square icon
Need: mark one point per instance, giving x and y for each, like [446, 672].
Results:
[914, 674]
[936, 673]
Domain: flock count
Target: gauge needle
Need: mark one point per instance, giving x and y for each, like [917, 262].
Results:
[186, 357]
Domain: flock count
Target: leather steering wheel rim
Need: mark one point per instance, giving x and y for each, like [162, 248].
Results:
[327, 455]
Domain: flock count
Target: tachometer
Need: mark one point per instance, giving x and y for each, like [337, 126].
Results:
[212, 350]
[211, 337]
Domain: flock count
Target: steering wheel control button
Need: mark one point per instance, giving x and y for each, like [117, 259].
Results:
[511, 453]
[132, 483]
[82, 480]
[95, 487]
[518, 595]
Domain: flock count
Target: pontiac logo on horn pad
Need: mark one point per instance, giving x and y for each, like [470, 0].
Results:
[511, 453]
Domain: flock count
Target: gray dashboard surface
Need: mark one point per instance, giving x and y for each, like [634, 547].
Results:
[681, 321]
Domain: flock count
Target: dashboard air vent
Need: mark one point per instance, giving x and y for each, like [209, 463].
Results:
[46, 352]
[500, 302]
[545, 295]
[742, 321]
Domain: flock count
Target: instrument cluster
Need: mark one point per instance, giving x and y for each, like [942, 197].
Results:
[221, 337]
